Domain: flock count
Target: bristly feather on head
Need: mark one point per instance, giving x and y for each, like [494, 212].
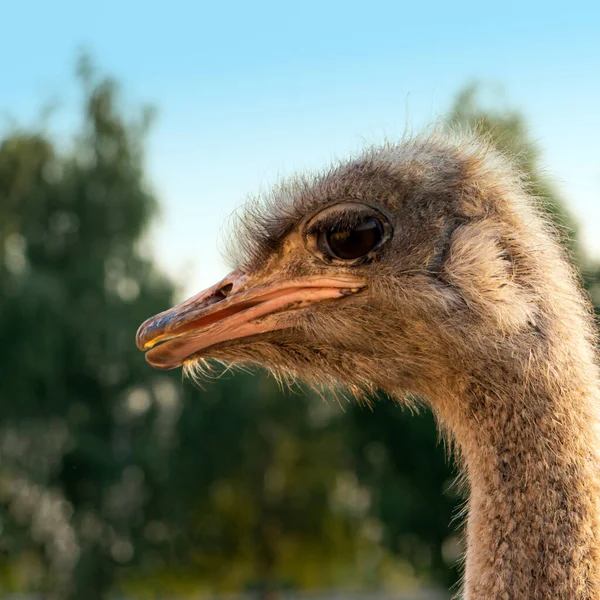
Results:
[257, 229]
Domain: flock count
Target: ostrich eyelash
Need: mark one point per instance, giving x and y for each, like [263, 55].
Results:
[337, 221]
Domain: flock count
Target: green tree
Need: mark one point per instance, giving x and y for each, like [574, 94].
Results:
[78, 407]
[263, 494]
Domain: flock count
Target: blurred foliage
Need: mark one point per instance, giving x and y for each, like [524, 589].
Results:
[80, 417]
[116, 478]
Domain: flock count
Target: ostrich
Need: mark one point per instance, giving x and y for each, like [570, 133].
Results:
[426, 269]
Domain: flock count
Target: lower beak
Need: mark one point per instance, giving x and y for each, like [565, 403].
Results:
[231, 310]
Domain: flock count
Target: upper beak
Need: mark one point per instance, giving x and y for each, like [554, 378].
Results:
[229, 310]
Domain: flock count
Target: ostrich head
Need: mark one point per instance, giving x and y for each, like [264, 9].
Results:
[424, 268]
[392, 270]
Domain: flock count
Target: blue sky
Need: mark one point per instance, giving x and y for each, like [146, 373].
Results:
[250, 91]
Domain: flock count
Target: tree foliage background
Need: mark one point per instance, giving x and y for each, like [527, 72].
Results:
[116, 479]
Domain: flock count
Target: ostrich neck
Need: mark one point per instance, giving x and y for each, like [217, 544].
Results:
[528, 436]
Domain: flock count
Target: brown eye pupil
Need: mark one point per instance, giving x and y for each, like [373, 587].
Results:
[356, 242]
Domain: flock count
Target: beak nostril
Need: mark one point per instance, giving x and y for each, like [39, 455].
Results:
[222, 293]
[218, 295]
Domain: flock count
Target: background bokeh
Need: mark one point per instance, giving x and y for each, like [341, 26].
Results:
[117, 481]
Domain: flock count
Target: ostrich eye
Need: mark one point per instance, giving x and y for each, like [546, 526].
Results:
[354, 242]
[348, 231]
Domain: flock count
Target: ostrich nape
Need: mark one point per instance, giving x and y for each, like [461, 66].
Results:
[426, 267]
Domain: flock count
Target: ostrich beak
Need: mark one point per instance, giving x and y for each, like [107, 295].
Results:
[230, 310]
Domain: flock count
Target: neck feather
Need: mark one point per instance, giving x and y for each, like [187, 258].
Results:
[527, 431]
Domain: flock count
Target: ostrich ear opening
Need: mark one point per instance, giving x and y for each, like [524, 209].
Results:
[233, 309]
